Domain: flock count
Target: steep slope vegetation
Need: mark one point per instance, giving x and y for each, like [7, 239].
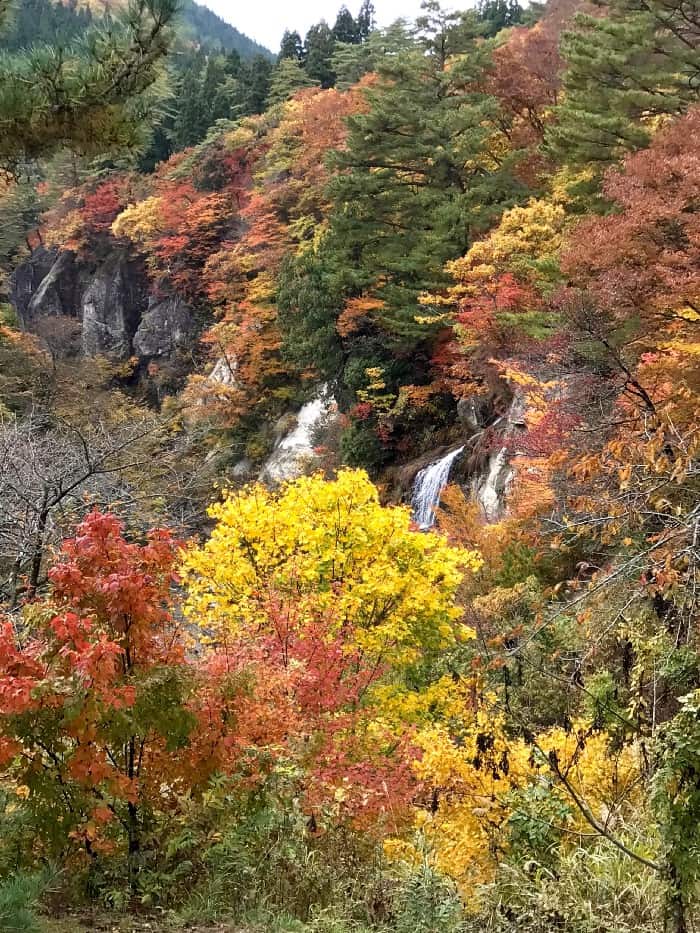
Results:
[470, 253]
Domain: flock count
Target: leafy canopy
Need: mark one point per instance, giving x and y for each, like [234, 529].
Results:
[91, 95]
[328, 546]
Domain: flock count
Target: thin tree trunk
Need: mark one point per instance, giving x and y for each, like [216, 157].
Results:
[38, 555]
[134, 829]
[675, 908]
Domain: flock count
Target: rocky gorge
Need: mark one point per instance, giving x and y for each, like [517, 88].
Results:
[109, 308]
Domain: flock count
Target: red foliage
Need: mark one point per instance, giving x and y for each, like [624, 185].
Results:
[101, 207]
[646, 256]
[123, 588]
[193, 226]
[281, 212]
[551, 433]
[526, 78]
[102, 699]
[308, 697]
[462, 356]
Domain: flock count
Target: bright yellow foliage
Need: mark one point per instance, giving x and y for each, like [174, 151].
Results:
[473, 781]
[525, 237]
[319, 548]
[467, 834]
[436, 702]
[139, 222]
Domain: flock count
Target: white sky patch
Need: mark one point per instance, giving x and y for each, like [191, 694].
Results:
[266, 20]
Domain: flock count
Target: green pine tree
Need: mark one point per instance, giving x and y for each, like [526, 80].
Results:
[345, 28]
[287, 78]
[92, 95]
[216, 93]
[308, 305]
[499, 14]
[417, 181]
[291, 47]
[351, 61]
[186, 124]
[254, 80]
[625, 70]
[318, 51]
[365, 20]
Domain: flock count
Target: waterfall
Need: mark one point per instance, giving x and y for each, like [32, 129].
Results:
[295, 451]
[427, 488]
[307, 420]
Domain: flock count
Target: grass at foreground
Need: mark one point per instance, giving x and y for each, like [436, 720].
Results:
[82, 922]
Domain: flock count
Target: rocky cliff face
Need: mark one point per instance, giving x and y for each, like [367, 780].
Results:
[111, 300]
[165, 326]
[491, 487]
[44, 286]
[111, 306]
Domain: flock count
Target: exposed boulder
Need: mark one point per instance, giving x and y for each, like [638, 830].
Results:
[490, 489]
[165, 326]
[27, 278]
[242, 469]
[223, 372]
[474, 412]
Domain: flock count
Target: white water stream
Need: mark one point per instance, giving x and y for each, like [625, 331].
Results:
[296, 450]
[428, 486]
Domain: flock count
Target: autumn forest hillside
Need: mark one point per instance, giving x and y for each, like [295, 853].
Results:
[349, 478]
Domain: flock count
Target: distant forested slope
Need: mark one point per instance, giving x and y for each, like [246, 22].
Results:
[201, 24]
[36, 21]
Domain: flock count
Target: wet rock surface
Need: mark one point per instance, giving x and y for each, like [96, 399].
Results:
[294, 453]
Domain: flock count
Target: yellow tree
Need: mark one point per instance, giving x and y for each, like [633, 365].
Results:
[476, 790]
[322, 546]
[341, 598]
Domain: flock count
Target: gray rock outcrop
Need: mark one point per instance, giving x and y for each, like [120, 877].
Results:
[490, 489]
[223, 372]
[473, 413]
[111, 308]
[166, 325]
[47, 285]
[109, 300]
[27, 278]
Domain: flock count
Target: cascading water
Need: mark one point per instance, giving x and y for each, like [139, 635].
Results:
[427, 489]
[295, 451]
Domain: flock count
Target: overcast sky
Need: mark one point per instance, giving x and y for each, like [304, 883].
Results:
[266, 20]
